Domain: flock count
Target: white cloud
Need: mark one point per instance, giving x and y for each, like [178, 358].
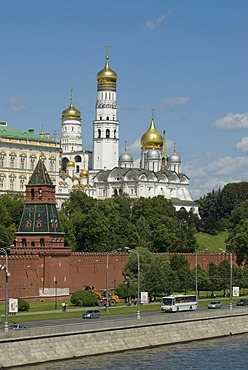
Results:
[174, 102]
[232, 122]
[216, 174]
[151, 24]
[16, 104]
[242, 146]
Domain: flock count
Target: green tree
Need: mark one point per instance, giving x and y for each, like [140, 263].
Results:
[159, 277]
[237, 241]
[224, 275]
[180, 265]
[213, 275]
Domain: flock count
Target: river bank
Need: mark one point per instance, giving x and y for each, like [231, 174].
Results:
[73, 341]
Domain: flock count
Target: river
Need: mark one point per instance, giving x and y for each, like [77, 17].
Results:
[225, 353]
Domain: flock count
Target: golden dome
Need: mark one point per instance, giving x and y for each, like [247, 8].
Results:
[70, 164]
[152, 138]
[106, 75]
[83, 173]
[71, 112]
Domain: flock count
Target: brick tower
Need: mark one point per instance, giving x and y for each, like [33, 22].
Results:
[40, 230]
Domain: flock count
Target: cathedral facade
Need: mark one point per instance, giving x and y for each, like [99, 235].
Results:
[104, 173]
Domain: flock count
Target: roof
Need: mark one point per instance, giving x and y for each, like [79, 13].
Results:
[9, 132]
[40, 175]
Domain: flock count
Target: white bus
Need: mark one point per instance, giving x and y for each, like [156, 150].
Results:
[174, 303]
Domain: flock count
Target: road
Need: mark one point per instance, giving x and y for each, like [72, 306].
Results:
[116, 317]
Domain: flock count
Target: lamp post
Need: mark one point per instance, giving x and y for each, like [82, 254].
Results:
[196, 277]
[231, 293]
[107, 288]
[56, 293]
[231, 278]
[7, 274]
[138, 302]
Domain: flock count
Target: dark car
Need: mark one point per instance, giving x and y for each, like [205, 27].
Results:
[17, 327]
[242, 302]
[215, 304]
[91, 314]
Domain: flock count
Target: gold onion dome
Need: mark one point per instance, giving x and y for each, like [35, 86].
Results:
[152, 139]
[106, 75]
[70, 164]
[83, 173]
[71, 112]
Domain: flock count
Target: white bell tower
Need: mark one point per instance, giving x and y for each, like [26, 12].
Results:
[106, 125]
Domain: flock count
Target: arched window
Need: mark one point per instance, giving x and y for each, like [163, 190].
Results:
[40, 193]
[42, 242]
[77, 168]
[115, 134]
[107, 118]
[32, 244]
[32, 193]
[24, 242]
[99, 134]
[107, 133]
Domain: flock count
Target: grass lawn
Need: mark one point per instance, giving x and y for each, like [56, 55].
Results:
[211, 243]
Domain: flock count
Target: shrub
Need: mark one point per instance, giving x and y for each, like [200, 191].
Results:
[23, 305]
[83, 298]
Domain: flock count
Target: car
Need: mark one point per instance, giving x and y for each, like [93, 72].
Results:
[17, 327]
[215, 304]
[242, 302]
[91, 314]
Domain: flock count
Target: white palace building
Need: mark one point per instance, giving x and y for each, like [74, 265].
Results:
[102, 172]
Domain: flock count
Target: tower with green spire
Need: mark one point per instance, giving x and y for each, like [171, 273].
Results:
[40, 229]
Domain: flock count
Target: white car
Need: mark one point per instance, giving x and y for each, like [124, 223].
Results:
[215, 304]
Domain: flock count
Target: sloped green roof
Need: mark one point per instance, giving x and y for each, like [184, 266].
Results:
[40, 175]
[40, 218]
[9, 132]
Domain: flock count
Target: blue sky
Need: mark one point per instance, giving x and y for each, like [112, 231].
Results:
[186, 59]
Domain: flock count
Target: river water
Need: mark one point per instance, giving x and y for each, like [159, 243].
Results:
[225, 353]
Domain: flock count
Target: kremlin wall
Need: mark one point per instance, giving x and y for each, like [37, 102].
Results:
[44, 276]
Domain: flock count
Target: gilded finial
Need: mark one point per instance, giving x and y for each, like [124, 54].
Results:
[107, 46]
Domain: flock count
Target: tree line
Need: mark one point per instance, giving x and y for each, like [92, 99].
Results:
[160, 275]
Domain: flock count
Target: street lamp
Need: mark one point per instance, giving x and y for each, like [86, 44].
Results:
[138, 302]
[107, 287]
[231, 290]
[7, 274]
[196, 277]
[231, 278]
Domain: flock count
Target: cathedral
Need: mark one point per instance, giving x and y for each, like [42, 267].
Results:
[101, 172]
[104, 173]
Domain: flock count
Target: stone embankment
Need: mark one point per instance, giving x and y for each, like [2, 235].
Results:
[72, 341]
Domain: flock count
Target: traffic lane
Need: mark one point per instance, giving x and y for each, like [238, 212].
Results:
[68, 321]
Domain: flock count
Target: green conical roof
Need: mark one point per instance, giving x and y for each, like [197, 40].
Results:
[40, 175]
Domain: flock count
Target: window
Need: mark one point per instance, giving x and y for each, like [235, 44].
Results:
[40, 193]
[99, 134]
[1, 181]
[107, 118]
[32, 162]
[115, 134]
[22, 181]
[22, 161]
[42, 242]
[2, 156]
[24, 242]
[107, 133]
[32, 193]
[11, 182]
[52, 161]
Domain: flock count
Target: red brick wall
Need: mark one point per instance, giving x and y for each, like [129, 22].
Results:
[29, 273]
